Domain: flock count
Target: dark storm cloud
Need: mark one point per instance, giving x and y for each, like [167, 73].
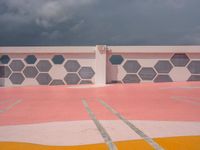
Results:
[90, 22]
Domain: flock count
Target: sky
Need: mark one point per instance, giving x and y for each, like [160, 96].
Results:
[93, 22]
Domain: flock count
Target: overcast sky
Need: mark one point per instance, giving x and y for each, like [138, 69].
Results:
[91, 22]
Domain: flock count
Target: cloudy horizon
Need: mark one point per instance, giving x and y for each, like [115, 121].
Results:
[91, 22]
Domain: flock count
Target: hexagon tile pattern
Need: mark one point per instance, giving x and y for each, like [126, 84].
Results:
[57, 82]
[163, 66]
[72, 78]
[58, 59]
[147, 73]
[163, 78]
[30, 59]
[131, 78]
[17, 78]
[30, 72]
[180, 59]
[194, 78]
[72, 66]
[86, 82]
[86, 72]
[44, 65]
[4, 71]
[17, 65]
[116, 59]
[44, 79]
[131, 66]
[4, 59]
[194, 67]
[2, 83]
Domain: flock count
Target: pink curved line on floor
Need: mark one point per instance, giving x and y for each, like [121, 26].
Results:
[145, 101]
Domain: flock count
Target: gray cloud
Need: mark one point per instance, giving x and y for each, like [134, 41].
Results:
[90, 22]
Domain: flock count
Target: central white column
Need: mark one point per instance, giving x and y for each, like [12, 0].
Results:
[100, 62]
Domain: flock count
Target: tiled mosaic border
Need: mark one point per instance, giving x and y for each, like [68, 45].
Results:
[100, 65]
[164, 70]
[17, 70]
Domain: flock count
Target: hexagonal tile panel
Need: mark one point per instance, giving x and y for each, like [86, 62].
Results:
[163, 66]
[4, 59]
[147, 73]
[116, 81]
[163, 78]
[194, 78]
[72, 78]
[58, 59]
[44, 79]
[30, 72]
[131, 78]
[4, 71]
[17, 78]
[86, 72]
[57, 82]
[2, 83]
[116, 59]
[16, 65]
[131, 66]
[72, 66]
[180, 59]
[86, 82]
[179, 74]
[44, 65]
[194, 67]
[30, 59]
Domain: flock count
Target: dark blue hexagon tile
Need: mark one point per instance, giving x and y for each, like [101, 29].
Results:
[147, 73]
[57, 82]
[180, 59]
[30, 72]
[163, 78]
[194, 67]
[116, 59]
[86, 82]
[30, 59]
[163, 66]
[44, 65]
[72, 66]
[194, 78]
[43, 79]
[131, 78]
[131, 66]
[4, 71]
[58, 59]
[4, 59]
[16, 65]
[17, 78]
[86, 72]
[72, 78]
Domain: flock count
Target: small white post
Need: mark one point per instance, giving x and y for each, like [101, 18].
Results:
[100, 62]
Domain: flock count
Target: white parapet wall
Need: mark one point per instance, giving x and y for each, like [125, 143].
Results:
[101, 64]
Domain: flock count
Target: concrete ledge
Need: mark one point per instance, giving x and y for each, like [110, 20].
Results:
[154, 49]
[91, 49]
[48, 49]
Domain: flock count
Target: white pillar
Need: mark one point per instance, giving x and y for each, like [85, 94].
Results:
[100, 62]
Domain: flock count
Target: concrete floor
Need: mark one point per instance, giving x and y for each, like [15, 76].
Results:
[162, 116]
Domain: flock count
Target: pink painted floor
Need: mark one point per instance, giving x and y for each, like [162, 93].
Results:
[146, 101]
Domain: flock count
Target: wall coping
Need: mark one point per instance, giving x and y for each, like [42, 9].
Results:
[154, 49]
[48, 49]
[91, 49]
